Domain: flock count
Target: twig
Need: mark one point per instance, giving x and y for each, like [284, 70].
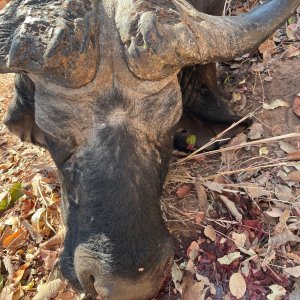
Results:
[46, 206]
[287, 164]
[216, 138]
[262, 141]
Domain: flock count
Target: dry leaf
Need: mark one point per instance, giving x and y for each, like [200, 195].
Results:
[184, 191]
[284, 193]
[17, 276]
[49, 290]
[229, 258]
[256, 131]
[245, 269]
[68, 295]
[275, 104]
[7, 293]
[15, 241]
[294, 271]
[210, 232]
[50, 258]
[228, 156]
[294, 257]
[177, 275]
[292, 51]
[269, 256]
[202, 197]
[239, 239]
[294, 176]
[193, 250]
[283, 238]
[281, 226]
[294, 156]
[277, 292]
[295, 295]
[232, 208]
[274, 212]
[257, 192]
[191, 289]
[199, 217]
[286, 147]
[214, 186]
[237, 285]
[296, 105]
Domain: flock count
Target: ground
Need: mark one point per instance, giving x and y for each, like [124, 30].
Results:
[234, 214]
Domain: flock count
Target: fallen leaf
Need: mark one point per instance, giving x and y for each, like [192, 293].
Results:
[296, 105]
[17, 276]
[281, 226]
[294, 156]
[177, 275]
[294, 176]
[191, 140]
[269, 256]
[214, 186]
[232, 208]
[49, 290]
[199, 217]
[295, 295]
[275, 104]
[191, 289]
[237, 285]
[277, 292]
[284, 193]
[201, 196]
[210, 232]
[15, 241]
[228, 156]
[229, 258]
[294, 257]
[239, 239]
[68, 295]
[268, 46]
[257, 192]
[184, 191]
[286, 147]
[245, 269]
[7, 293]
[283, 238]
[192, 250]
[263, 151]
[50, 258]
[294, 271]
[292, 51]
[274, 212]
[256, 131]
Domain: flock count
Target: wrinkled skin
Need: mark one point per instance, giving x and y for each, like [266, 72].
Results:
[108, 121]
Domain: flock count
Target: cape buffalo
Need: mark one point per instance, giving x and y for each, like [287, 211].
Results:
[98, 87]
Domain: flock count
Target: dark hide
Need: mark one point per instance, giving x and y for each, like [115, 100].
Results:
[101, 93]
[20, 115]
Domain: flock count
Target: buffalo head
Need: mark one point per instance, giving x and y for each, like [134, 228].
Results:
[98, 87]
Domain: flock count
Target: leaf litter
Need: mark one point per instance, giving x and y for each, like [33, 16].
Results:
[235, 221]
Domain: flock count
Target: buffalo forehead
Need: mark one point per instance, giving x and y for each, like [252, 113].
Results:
[62, 112]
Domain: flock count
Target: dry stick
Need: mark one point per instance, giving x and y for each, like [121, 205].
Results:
[216, 138]
[188, 179]
[262, 141]
[287, 164]
[46, 206]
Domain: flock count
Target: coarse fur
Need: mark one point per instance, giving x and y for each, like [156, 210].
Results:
[101, 92]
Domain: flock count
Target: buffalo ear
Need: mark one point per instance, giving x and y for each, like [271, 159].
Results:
[56, 40]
